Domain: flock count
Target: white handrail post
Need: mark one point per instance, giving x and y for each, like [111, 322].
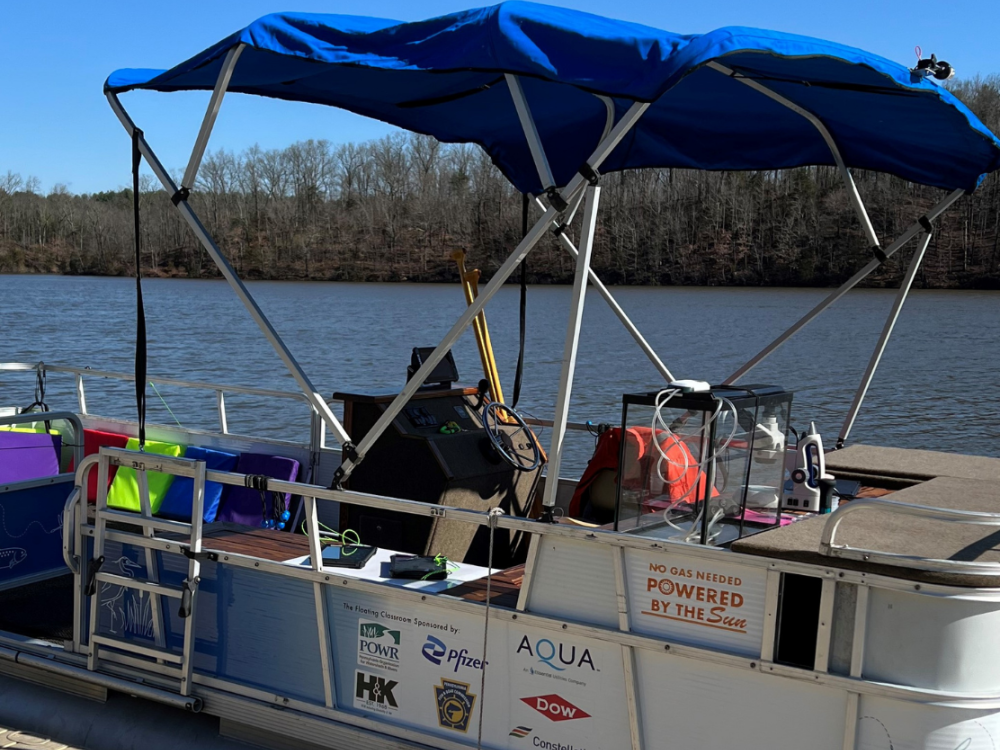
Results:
[220, 402]
[81, 397]
[572, 343]
[315, 398]
[616, 308]
[897, 306]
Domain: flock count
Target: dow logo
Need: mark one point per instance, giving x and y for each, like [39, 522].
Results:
[374, 692]
[378, 646]
[555, 708]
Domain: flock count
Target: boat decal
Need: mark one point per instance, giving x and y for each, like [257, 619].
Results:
[11, 535]
[556, 655]
[454, 704]
[696, 597]
[437, 652]
[555, 707]
[378, 645]
[11, 557]
[373, 692]
[129, 611]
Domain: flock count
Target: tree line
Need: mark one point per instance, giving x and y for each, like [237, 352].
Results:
[394, 209]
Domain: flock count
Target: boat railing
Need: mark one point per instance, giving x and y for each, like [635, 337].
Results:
[79, 373]
[828, 545]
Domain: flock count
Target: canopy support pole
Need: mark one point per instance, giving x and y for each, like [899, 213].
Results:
[852, 189]
[566, 196]
[530, 132]
[897, 306]
[546, 179]
[615, 307]
[315, 398]
[912, 231]
[572, 344]
[207, 125]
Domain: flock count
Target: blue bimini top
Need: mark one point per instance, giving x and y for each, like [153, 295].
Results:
[445, 77]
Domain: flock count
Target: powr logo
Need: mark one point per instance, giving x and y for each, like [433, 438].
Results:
[378, 646]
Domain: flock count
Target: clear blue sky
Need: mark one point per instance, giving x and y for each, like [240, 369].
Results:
[55, 54]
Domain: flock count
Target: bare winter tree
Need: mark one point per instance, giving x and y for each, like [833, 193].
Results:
[397, 207]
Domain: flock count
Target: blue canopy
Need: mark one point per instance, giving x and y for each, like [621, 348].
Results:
[445, 77]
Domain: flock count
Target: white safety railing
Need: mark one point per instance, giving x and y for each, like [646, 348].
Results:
[827, 545]
[219, 389]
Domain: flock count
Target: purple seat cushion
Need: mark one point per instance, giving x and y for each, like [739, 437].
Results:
[242, 505]
[28, 455]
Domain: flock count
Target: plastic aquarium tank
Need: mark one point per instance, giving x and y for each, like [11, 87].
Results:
[704, 468]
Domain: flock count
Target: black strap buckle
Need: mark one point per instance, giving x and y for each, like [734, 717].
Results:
[591, 175]
[181, 195]
[94, 569]
[200, 556]
[555, 199]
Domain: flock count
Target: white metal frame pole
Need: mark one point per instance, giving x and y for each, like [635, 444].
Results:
[859, 208]
[567, 195]
[852, 189]
[214, 104]
[545, 177]
[897, 306]
[912, 231]
[572, 343]
[315, 398]
[530, 132]
[615, 307]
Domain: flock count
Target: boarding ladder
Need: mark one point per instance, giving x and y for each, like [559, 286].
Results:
[167, 661]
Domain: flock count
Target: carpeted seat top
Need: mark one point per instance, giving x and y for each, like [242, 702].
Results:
[886, 531]
[903, 463]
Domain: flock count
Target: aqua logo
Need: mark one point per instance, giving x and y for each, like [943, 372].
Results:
[557, 656]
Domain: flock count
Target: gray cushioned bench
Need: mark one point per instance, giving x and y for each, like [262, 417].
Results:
[873, 462]
[882, 530]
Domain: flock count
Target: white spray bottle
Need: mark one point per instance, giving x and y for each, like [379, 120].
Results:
[810, 467]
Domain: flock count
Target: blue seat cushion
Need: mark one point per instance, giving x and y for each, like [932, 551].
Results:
[177, 503]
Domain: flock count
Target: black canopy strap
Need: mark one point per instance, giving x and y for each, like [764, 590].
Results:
[140, 311]
[519, 371]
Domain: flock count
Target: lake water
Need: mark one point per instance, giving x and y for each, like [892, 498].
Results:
[937, 387]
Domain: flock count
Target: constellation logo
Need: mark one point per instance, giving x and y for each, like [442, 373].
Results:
[375, 693]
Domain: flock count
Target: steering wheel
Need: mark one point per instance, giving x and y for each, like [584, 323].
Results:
[523, 455]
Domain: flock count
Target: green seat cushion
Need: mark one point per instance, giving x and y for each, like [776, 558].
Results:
[124, 492]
